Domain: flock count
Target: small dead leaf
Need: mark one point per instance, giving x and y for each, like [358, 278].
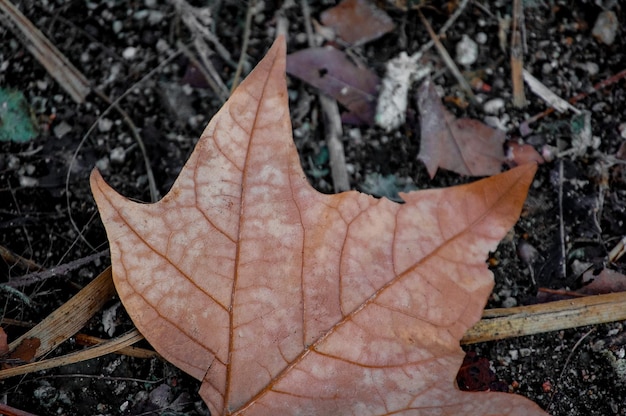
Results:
[519, 154]
[465, 146]
[357, 21]
[286, 301]
[607, 281]
[26, 350]
[328, 69]
[476, 374]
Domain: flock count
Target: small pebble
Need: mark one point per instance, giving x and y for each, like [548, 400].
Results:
[105, 125]
[494, 106]
[509, 302]
[61, 129]
[591, 67]
[117, 26]
[481, 37]
[129, 53]
[118, 155]
[28, 182]
[466, 51]
[605, 28]
[103, 164]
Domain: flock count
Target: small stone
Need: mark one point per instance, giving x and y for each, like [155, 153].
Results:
[129, 53]
[61, 129]
[509, 302]
[105, 125]
[494, 106]
[103, 164]
[605, 28]
[481, 37]
[466, 51]
[155, 17]
[117, 26]
[118, 155]
[47, 395]
[28, 182]
[592, 68]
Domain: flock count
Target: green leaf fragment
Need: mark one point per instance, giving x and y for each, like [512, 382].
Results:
[16, 123]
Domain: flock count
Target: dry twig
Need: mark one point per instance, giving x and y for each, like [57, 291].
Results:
[57, 65]
[447, 59]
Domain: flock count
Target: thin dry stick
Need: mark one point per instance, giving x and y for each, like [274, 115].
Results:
[105, 348]
[88, 340]
[618, 251]
[206, 68]
[447, 59]
[600, 85]
[57, 65]
[11, 411]
[69, 318]
[114, 104]
[334, 132]
[503, 323]
[569, 357]
[244, 44]
[190, 15]
[517, 56]
[332, 124]
[13, 259]
[457, 13]
[561, 223]
[61, 270]
[154, 192]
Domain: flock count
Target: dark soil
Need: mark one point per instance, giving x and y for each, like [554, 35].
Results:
[49, 216]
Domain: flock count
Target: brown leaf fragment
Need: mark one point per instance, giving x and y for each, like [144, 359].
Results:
[354, 87]
[357, 21]
[607, 281]
[465, 146]
[26, 350]
[521, 153]
[286, 301]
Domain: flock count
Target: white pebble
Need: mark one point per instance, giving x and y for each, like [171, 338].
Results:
[105, 125]
[605, 28]
[117, 26]
[129, 53]
[494, 106]
[118, 155]
[466, 51]
[28, 182]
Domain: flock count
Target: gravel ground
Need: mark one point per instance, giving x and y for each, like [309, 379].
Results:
[115, 44]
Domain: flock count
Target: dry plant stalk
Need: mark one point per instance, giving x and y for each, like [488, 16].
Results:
[546, 317]
[517, 56]
[57, 65]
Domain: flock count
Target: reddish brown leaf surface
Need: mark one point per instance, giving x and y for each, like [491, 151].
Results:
[357, 21]
[330, 70]
[285, 301]
[464, 145]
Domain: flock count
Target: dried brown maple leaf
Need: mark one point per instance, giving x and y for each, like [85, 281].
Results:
[463, 145]
[285, 301]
